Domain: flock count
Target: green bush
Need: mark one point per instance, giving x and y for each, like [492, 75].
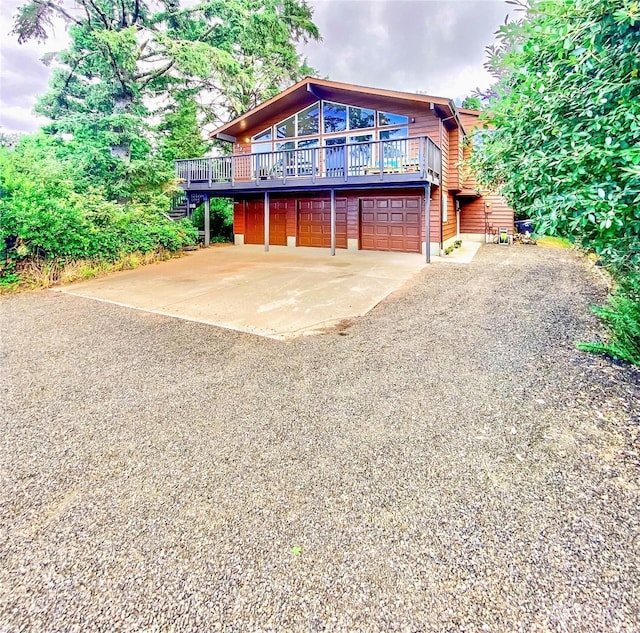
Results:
[221, 219]
[621, 316]
[42, 216]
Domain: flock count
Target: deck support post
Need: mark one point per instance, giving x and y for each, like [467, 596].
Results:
[266, 221]
[207, 220]
[333, 221]
[427, 222]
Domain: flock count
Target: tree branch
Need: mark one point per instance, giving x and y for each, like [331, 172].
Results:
[154, 75]
[101, 14]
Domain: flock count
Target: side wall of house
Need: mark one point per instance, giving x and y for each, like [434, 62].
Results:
[480, 218]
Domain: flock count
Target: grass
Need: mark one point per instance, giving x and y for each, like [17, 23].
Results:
[549, 241]
[36, 274]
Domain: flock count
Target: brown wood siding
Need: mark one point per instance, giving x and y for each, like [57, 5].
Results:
[449, 227]
[238, 217]
[455, 158]
[498, 214]
[470, 122]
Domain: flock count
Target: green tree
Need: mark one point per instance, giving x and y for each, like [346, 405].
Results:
[565, 113]
[131, 60]
[472, 103]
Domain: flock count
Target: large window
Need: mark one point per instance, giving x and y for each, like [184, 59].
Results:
[361, 118]
[261, 142]
[390, 135]
[286, 128]
[329, 119]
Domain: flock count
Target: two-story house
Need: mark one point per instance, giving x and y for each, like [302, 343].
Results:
[333, 165]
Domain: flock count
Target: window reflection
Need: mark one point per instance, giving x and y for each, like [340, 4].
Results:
[286, 128]
[334, 116]
[309, 120]
[361, 117]
[388, 118]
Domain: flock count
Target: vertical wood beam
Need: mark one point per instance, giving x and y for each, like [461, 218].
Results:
[427, 222]
[266, 221]
[333, 222]
[207, 220]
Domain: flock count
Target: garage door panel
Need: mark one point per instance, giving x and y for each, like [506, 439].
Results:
[254, 222]
[314, 223]
[394, 224]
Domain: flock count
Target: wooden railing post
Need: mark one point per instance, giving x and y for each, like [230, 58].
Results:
[381, 158]
[345, 162]
[313, 164]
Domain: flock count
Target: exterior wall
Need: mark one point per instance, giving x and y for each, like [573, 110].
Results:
[350, 200]
[483, 216]
[450, 228]
[470, 123]
[455, 158]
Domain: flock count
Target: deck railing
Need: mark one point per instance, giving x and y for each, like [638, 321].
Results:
[415, 155]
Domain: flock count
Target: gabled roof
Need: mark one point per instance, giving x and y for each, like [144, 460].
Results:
[310, 89]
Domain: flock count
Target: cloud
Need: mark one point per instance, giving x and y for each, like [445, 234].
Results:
[23, 77]
[435, 46]
[432, 46]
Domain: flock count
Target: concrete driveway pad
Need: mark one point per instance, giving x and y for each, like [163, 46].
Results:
[281, 294]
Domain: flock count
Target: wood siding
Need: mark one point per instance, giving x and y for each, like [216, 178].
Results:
[455, 159]
[486, 215]
[470, 123]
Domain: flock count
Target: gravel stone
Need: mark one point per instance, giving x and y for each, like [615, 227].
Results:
[449, 462]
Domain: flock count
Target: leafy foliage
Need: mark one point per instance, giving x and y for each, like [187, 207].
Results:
[472, 103]
[565, 143]
[44, 216]
[220, 219]
[128, 97]
[622, 317]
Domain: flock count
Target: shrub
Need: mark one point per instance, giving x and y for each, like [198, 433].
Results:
[621, 316]
[221, 219]
[42, 216]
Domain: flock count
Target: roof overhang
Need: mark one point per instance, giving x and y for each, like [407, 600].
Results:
[468, 193]
[309, 90]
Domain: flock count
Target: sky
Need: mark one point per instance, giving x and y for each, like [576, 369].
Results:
[431, 46]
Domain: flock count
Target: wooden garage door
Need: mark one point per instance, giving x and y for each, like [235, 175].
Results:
[254, 222]
[391, 224]
[314, 223]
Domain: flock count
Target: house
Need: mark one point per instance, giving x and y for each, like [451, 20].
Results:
[341, 166]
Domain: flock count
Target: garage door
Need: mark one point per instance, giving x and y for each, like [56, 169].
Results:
[254, 222]
[314, 223]
[391, 224]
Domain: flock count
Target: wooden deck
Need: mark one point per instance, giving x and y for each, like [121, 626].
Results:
[390, 162]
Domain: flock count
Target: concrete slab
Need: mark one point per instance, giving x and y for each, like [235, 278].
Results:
[462, 255]
[280, 294]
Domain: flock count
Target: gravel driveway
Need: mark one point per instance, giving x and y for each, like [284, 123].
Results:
[450, 462]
